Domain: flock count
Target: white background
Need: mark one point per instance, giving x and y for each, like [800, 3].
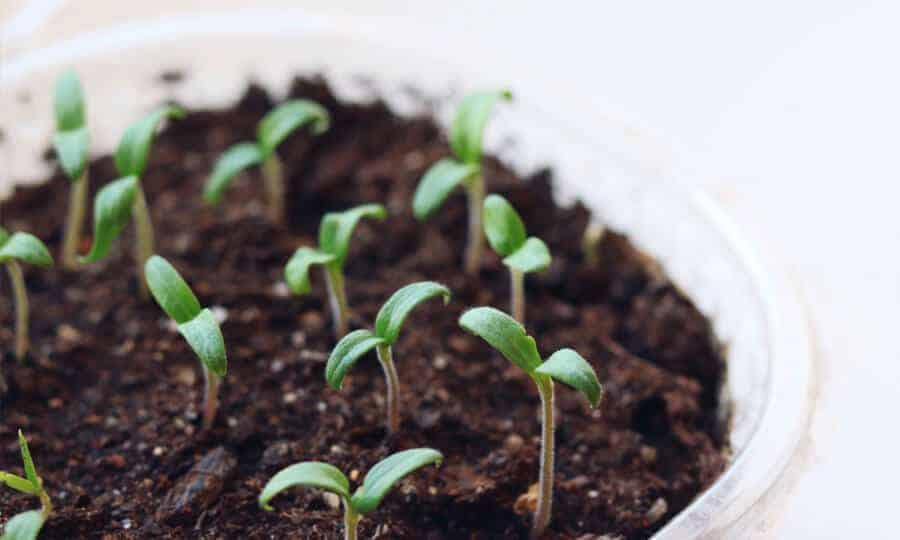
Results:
[785, 111]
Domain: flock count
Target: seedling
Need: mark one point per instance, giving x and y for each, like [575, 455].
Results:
[463, 169]
[15, 248]
[508, 337]
[121, 199]
[335, 232]
[387, 329]
[270, 132]
[522, 254]
[380, 479]
[197, 324]
[71, 143]
[28, 524]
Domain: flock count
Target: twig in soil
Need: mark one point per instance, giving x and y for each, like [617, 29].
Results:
[335, 232]
[380, 479]
[27, 524]
[521, 253]
[508, 337]
[15, 248]
[271, 131]
[198, 326]
[387, 329]
[463, 169]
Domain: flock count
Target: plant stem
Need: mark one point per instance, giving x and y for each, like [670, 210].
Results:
[337, 297]
[386, 357]
[545, 487]
[21, 298]
[210, 397]
[273, 174]
[46, 505]
[74, 220]
[351, 522]
[475, 245]
[517, 291]
[144, 229]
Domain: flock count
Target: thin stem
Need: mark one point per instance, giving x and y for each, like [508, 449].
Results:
[545, 487]
[74, 220]
[337, 297]
[144, 229]
[21, 298]
[351, 522]
[517, 292]
[386, 357]
[46, 504]
[273, 174]
[210, 397]
[475, 245]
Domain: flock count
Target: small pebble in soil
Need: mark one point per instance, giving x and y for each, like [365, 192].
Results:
[657, 511]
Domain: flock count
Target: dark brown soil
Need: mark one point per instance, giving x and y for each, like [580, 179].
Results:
[110, 399]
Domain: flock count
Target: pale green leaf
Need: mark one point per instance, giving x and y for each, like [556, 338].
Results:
[567, 366]
[296, 273]
[532, 256]
[72, 151]
[4, 236]
[18, 483]
[502, 225]
[346, 353]
[134, 146]
[393, 313]
[112, 211]
[472, 115]
[312, 474]
[27, 248]
[205, 338]
[170, 290]
[387, 472]
[337, 228]
[234, 160]
[24, 526]
[504, 334]
[437, 183]
[68, 102]
[287, 117]
[28, 463]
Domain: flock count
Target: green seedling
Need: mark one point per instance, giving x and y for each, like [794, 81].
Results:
[464, 169]
[71, 143]
[118, 201]
[26, 525]
[387, 329]
[270, 132]
[521, 253]
[335, 232]
[197, 324]
[380, 479]
[593, 234]
[15, 248]
[508, 337]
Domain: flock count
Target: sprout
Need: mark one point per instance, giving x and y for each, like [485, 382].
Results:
[387, 328]
[196, 324]
[15, 248]
[335, 231]
[117, 201]
[24, 526]
[465, 169]
[593, 234]
[380, 479]
[28, 524]
[271, 131]
[508, 337]
[71, 143]
[506, 234]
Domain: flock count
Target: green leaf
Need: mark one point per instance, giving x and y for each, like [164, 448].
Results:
[287, 117]
[503, 333]
[4, 236]
[437, 183]
[467, 130]
[313, 474]
[567, 366]
[337, 228]
[27, 248]
[345, 354]
[533, 256]
[68, 102]
[205, 337]
[388, 472]
[170, 290]
[112, 211]
[72, 151]
[502, 225]
[18, 483]
[393, 313]
[234, 160]
[131, 154]
[24, 526]
[28, 464]
[296, 273]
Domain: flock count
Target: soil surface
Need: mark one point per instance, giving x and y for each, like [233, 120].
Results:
[109, 400]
